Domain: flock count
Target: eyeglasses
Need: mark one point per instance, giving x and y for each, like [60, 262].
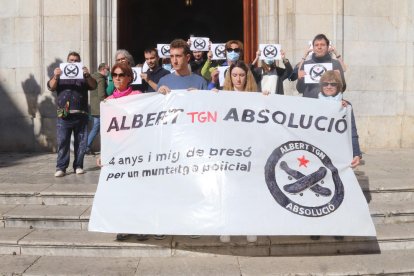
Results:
[121, 59]
[236, 50]
[333, 84]
[121, 75]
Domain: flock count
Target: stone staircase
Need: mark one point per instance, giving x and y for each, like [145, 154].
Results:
[44, 220]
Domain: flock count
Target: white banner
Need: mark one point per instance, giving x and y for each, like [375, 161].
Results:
[137, 75]
[227, 163]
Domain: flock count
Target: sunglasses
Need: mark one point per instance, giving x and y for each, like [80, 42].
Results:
[236, 50]
[333, 84]
[121, 59]
[121, 75]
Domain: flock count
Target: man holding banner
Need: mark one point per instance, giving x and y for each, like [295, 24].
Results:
[312, 69]
[182, 78]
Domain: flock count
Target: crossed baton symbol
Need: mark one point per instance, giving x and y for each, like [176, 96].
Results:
[71, 70]
[165, 50]
[314, 74]
[305, 182]
[199, 43]
[270, 51]
[220, 51]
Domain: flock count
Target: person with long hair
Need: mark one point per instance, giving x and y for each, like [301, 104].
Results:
[239, 78]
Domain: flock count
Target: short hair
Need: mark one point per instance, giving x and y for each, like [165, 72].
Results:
[102, 66]
[73, 53]
[332, 75]
[126, 69]
[233, 41]
[249, 86]
[180, 43]
[151, 50]
[320, 37]
[127, 55]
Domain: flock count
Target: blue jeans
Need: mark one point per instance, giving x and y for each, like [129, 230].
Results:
[78, 124]
[94, 131]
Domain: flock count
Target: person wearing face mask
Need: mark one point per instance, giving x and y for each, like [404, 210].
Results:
[330, 85]
[269, 76]
[234, 52]
[97, 96]
[320, 55]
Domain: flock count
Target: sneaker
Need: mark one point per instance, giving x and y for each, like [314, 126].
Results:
[195, 236]
[159, 237]
[122, 237]
[225, 239]
[142, 237]
[59, 173]
[79, 171]
[251, 238]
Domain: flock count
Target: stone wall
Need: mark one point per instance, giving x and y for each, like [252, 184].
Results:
[376, 40]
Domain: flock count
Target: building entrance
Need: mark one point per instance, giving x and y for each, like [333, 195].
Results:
[143, 24]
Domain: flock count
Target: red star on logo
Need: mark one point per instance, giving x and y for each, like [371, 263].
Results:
[303, 161]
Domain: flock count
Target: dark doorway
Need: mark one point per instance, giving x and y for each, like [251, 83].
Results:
[143, 24]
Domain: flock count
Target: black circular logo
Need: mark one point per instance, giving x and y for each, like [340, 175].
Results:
[135, 75]
[270, 51]
[71, 70]
[199, 44]
[220, 51]
[299, 174]
[317, 71]
[165, 50]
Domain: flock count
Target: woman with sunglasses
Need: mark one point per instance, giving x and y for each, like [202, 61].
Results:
[122, 77]
[331, 87]
[234, 52]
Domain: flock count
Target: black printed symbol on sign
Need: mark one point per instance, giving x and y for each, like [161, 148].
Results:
[220, 51]
[317, 71]
[71, 70]
[199, 44]
[292, 188]
[165, 50]
[135, 75]
[270, 51]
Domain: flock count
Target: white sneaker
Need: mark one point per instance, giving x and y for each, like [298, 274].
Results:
[251, 238]
[79, 171]
[59, 173]
[225, 238]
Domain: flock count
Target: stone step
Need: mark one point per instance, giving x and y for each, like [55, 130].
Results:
[77, 216]
[45, 216]
[83, 194]
[65, 242]
[47, 194]
[386, 263]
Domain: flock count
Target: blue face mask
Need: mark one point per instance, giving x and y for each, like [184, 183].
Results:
[269, 61]
[233, 56]
[167, 66]
[337, 97]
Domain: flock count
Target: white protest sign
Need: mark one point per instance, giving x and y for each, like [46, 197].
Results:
[199, 43]
[163, 50]
[218, 50]
[314, 71]
[137, 75]
[71, 70]
[227, 163]
[222, 74]
[270, 51]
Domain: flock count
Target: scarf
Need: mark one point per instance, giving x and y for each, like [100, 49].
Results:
[120, 94]
[337, 97]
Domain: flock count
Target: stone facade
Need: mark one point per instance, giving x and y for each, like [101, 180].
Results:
[376, 39]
